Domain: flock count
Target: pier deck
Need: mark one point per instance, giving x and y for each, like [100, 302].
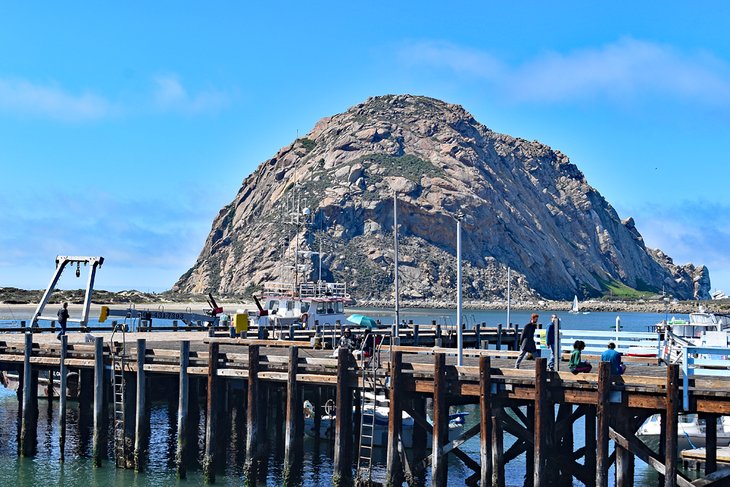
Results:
[614, 406]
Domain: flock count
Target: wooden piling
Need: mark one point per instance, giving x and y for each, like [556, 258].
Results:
[603, 417]
[98, 436]
[671, 426]
[394, 469]
[293, 411]
[28, 438]
[590, 445]
[211, 427]
[485, 419]
[141, 420]
[63, 373]
[343, 421]
[542, 429]
[498, 345]
[497, 452]
[439, 466]
[252, 413]
[182, 411]
[624, 458]
[710, 442]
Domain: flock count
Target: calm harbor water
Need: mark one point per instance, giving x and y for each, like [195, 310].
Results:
[316, 467]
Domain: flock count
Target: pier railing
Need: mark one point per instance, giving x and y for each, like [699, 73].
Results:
[704, 361]
[627, 342]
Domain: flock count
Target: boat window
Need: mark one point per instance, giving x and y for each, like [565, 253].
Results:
[321, 308]
[339, 308]
[273, 304]
[304, 308]
[289, 305]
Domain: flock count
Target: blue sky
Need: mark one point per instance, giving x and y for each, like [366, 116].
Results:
[125, 128]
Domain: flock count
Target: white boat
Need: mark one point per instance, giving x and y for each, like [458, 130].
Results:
[380, 434]
[306, 305]
[690, 431]
[10, 381]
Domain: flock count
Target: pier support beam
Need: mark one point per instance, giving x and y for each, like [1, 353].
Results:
[542, 424]
[710, 442]
[63, 373]
[182, 411]
[141, 420]
[28, 429]
[394, 469]
[211, 427]
[672, 425]
[439, 464]
[98, 445]
[497, 451]
[343, 421]
[603, 416]
[485, 419]
[293, 414]
[624, 457]
[253, 415]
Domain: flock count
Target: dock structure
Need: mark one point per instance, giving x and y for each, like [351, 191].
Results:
[538, 406]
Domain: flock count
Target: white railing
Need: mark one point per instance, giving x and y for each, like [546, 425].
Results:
[627, 342]
[705, 361]
[322, 289]
[280, 288]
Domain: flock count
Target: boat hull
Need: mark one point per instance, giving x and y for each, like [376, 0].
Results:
[10, 381]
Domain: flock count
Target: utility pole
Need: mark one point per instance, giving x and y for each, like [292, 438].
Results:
[395, 247]
[459, 334]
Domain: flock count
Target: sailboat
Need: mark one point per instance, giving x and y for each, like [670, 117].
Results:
[574, 309]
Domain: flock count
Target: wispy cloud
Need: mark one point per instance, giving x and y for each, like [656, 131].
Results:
[21, 97]
[171, 95]
[168, 94]
[626, 69]
[690, 232]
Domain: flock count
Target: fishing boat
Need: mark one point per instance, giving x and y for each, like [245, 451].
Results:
[307, 305]
[690, 432]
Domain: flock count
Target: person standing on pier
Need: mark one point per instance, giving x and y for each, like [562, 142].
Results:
[62, 319]
[527, 340]
[614, 357]
[550, 340]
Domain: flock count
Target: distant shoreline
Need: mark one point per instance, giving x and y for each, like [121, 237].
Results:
[17, 299]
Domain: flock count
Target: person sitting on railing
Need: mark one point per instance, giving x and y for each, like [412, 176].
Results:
[576, 365]
[614, 357]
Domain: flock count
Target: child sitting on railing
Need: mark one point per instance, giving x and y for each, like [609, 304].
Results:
[576, 365]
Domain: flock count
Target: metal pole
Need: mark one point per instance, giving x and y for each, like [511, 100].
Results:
[395, 247]
[459, 337]
[509, 323]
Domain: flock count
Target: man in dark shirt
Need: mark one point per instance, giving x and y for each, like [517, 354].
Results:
[62, 319]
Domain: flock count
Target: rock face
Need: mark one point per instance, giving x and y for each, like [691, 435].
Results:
[524, 205]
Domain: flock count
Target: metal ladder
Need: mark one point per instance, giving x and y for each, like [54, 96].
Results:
[368, 402]
[119, 364]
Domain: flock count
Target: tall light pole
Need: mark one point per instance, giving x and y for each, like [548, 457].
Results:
[459, 335]
[395, 261]
[509, 298]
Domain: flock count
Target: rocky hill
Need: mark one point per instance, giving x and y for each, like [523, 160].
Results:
[524, 205]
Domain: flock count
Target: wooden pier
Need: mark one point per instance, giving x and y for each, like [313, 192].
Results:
[537, 406]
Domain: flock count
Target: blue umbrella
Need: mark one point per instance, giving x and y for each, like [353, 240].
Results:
[362, 320]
